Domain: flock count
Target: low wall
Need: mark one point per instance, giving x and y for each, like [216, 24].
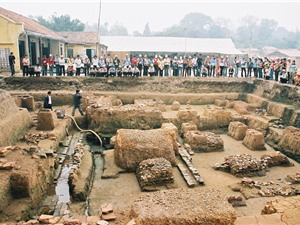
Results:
[13, 120]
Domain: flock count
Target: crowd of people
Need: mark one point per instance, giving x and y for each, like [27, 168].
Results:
[277, 69]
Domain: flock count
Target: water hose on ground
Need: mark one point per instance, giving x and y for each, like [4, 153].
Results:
[81, 130]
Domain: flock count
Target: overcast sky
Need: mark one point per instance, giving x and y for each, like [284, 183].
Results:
[160, 14]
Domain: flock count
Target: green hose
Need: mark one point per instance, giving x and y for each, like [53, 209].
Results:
[81, 130]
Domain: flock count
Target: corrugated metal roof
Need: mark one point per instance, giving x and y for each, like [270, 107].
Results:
[30, 24]
[170, 44]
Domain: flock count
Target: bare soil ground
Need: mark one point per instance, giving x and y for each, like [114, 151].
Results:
[122, 191]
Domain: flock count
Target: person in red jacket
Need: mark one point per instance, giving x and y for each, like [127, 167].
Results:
[44, 65]
[51, 64]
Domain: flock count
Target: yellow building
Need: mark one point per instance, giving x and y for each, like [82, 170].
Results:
[25, 36]
[83, 44]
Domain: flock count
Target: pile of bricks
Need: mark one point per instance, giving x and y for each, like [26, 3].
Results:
[6, 165]
[242, 165]
[185, 156]
[293, 179]
[270, 188]
[36, 138]
[107, 212]
[157, 171]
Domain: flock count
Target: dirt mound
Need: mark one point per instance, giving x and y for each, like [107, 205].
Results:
[183, 207]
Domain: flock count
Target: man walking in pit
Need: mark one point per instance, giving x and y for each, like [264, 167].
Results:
[48, 101]
[77, 102]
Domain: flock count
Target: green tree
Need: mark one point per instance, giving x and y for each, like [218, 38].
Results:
[61, 23]
[118, 29]
[196, 24]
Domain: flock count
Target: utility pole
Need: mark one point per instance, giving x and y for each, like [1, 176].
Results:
[184, 40]
[98, 45]
[250, 46]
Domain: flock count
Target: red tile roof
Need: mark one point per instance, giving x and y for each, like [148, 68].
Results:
[30, 24]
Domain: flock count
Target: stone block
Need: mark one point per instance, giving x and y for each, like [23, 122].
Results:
[182, 206]
[109, 217]
[189, 126]
[254, 140]
[187, 115]
[290, 141]
[110, 119]
[106, 208]
[171, 128]
[241, 107]
[157, 171]
[47, 120]
[28, 102]
[220, 102]
[134, 146]
[215, 118]
[202, 141]
[237, 130]
[175, 106]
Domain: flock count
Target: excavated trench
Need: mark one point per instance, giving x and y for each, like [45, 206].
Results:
[80, 190]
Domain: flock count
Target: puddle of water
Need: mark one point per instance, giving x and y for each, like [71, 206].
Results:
[62, 187]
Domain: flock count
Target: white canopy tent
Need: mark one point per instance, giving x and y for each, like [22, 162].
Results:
[170, 44]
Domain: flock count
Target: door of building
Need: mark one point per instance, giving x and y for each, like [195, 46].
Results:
[33, 59]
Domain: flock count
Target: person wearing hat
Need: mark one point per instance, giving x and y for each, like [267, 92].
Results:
[77, 102]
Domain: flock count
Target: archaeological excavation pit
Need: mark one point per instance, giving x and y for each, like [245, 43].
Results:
[171, 151]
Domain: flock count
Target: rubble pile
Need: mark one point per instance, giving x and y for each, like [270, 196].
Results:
[242, 165]
[293, 179]
[157, 171]
[7, 165]
[269, 188]
[278, 124]
[156, 103]
[276, 159]
[260, 112]
[36, 137]
[6, 150]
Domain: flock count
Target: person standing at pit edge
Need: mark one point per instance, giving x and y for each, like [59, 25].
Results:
[11, 59]
[77, 102]
[48, 101]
